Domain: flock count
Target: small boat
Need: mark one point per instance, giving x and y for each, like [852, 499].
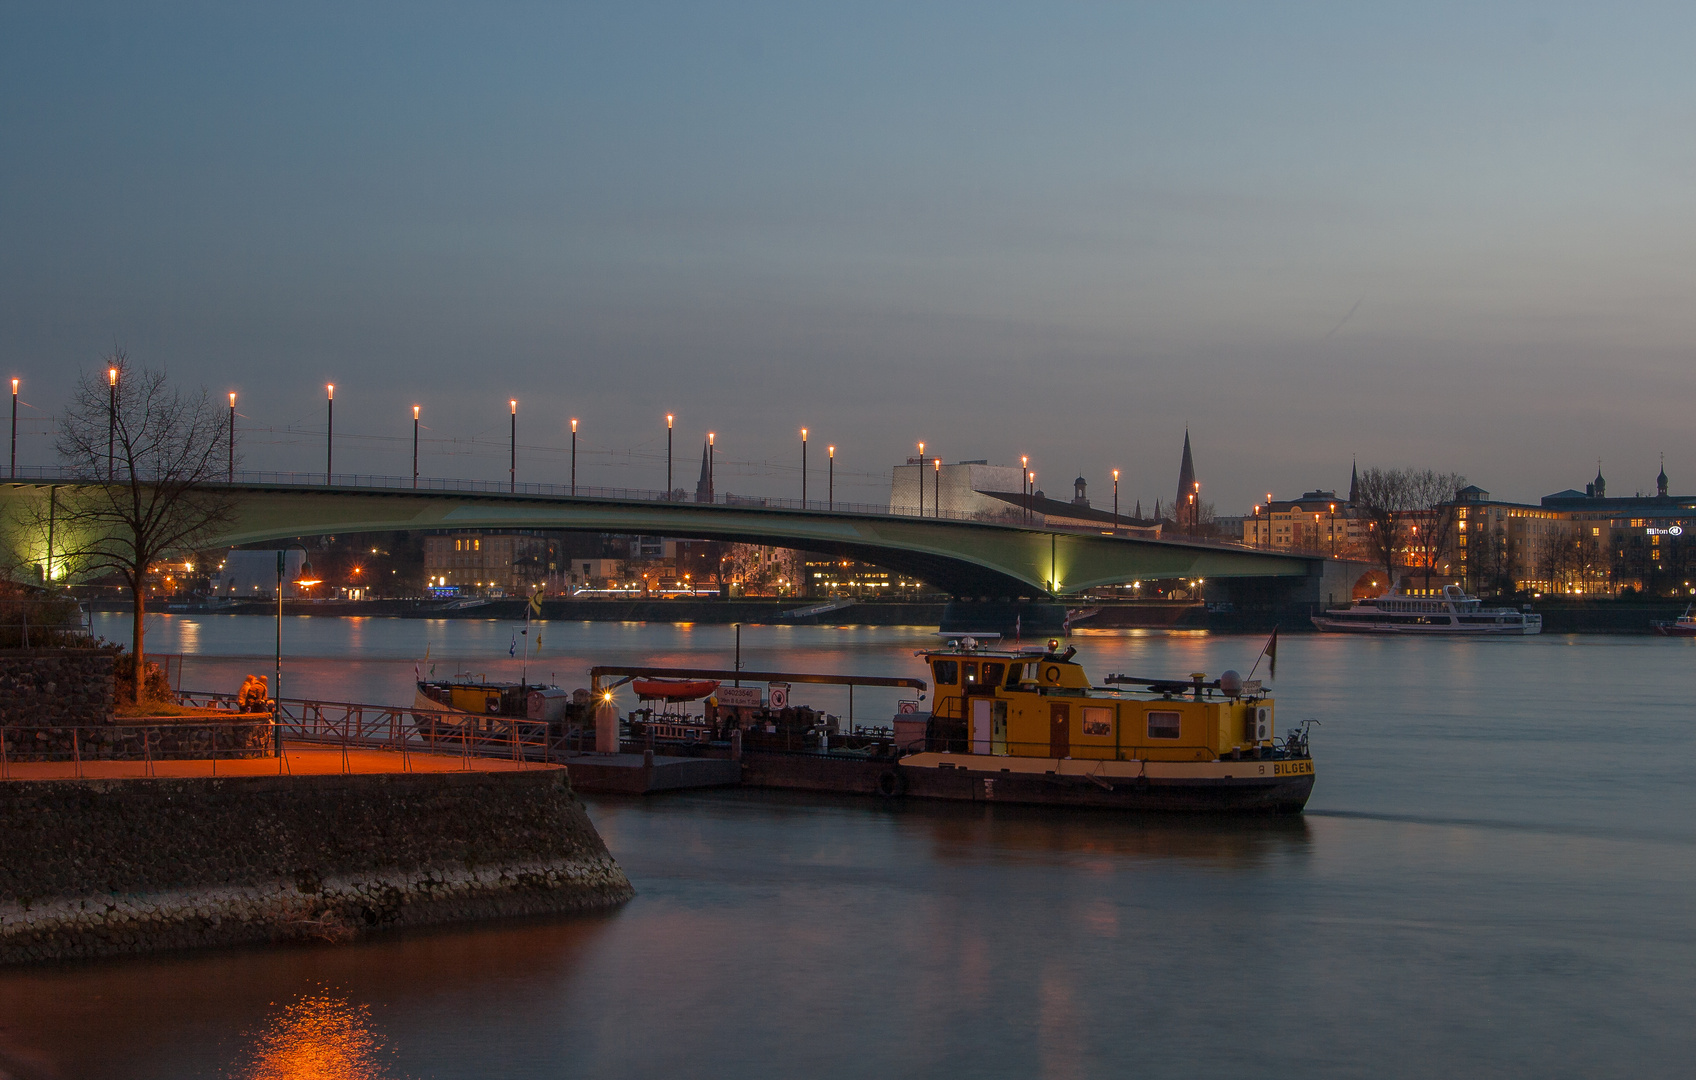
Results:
[1454, 613]
[673, 689]
[1683, 626]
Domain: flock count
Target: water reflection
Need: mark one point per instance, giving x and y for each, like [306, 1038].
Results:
[321, 1036]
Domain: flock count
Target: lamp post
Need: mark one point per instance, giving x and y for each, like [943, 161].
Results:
[574, 455]
[415, 446]
[936, 491]
[803, 468]
[1025, 488]
[1331, 527]
[1115, 500]
[668, 420]
[921, 479]
[14, 429]
[512, 462]
[329, 429]
[111, 423]
[830, 489]
[712, 453]
[232, 436]
[277, 683]
[1268, 521]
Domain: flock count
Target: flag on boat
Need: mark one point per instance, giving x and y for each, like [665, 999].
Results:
[512, 650]
[1270, 652]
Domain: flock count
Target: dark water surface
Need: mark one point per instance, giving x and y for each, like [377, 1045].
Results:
[1496, 877]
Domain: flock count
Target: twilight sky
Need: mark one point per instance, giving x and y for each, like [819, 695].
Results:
[1449, 236]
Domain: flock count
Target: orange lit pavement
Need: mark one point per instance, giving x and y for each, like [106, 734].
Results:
[299, 759]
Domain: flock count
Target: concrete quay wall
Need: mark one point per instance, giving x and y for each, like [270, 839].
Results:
[105, 867]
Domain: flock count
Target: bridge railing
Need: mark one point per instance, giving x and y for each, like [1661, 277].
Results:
[1012, 517]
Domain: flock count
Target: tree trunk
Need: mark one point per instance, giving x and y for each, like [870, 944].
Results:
[137, 636]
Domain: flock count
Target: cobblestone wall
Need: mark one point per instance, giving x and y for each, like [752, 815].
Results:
[56, 686]
[101, 867]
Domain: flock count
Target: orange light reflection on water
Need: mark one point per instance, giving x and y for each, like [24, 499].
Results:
[318, 1037]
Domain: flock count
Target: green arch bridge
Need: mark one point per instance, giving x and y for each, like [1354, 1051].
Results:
[966, 558]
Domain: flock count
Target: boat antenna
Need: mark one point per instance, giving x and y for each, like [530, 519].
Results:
[1270, 652]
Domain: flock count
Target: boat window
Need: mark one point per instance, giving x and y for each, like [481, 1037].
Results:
[992, 674]
[1163, 725]
[971, 671]
[1014, 671]
[947, 672]
[1098, 721]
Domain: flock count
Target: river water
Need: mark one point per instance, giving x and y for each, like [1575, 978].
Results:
[1496, 876]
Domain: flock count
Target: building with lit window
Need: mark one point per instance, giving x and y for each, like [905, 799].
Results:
[1576, 542]
[487, 563]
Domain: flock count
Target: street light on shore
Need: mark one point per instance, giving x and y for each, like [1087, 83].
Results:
[415, 446]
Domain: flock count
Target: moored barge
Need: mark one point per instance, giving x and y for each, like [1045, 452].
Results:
[1029, 726]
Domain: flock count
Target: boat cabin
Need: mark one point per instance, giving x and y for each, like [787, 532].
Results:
[1041, 703]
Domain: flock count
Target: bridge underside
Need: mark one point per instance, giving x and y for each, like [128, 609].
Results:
[966, 559]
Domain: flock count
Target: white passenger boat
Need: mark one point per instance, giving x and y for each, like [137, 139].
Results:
[1454, 612]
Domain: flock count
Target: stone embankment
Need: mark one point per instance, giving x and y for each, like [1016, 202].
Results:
[103, 867]
[56, 686]
[160, 738]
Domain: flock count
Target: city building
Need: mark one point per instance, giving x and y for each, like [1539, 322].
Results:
[1576, 542]
[488, 563]
[1316, 521]
[829, 575]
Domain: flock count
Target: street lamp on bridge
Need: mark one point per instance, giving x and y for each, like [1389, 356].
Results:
[1115, 500]
[512, 466]
[111, 423]
[921, 479]
[830, 489]
[712, 452]
[415, 446]
[668, 420]
[329, 428]
[803, 468]
[574, 455]
[14, 429]
[232, 436]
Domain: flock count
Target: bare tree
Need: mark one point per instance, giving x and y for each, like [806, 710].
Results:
[143, 453]
[1398, 501]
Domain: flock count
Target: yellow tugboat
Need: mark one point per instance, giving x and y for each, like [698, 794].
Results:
[1031, 727]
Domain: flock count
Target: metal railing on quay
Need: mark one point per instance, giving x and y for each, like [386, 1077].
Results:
[353, 725]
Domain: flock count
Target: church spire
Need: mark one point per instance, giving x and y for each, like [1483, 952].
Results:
[1354, 482]
[704, 487]
[1187, 509]
[1661, 480]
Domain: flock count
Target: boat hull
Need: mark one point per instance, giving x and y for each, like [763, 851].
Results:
[1676, 629]
[1279, 786]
